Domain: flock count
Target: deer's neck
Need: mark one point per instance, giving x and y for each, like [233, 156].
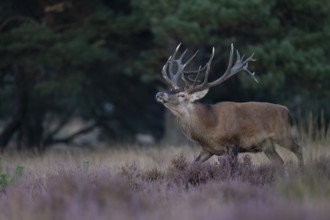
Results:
[195, 118]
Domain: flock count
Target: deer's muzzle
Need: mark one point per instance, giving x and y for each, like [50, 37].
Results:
[161, 97]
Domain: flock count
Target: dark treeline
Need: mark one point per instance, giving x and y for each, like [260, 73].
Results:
[100, 61]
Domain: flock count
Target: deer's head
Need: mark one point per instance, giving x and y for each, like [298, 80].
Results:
[186, 87]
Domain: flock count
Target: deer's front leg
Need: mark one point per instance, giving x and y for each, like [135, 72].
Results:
[232, 150]
[203, 156]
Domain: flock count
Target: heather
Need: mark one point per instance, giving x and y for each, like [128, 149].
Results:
[160, 184]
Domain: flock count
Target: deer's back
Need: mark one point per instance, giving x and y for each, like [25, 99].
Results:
[248, 124]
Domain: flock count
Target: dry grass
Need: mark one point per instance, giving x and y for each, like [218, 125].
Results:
[132, 182]
[114, 157]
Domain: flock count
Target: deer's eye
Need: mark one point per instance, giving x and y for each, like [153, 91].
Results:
[181, 95]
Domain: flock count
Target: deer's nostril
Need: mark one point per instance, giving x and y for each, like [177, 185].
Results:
[159, 94]
[160, 97]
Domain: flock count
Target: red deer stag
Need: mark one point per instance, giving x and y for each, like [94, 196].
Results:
[239, 127]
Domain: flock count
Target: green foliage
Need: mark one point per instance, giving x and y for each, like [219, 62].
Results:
[86, 165]
[290, 39]
[7, 178]
[111, 53]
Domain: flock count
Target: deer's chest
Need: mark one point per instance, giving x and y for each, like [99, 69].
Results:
[212, 139]
[197, 132]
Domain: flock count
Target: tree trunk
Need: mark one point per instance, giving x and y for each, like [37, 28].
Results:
[19, 112]
[31, 130]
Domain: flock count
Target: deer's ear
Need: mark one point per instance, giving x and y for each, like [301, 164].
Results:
[198, 95]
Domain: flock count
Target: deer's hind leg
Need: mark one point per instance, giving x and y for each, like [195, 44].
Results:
[269, 149]
[203, 156]
[292, 146]
[297, 150]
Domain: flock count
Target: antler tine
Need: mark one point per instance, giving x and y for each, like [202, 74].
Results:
[183, 77]
[193, 71]
[165, 76]
[172, 59]
[208, 66]
[243, 64]
[238, 56]
[190, 59]
[197, 76]
[230, 62]
[246, 66]
[188, 80]
[168, 73]
[182, 55]
[204, 83]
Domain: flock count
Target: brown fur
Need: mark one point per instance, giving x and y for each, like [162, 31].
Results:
[241, 124]
[248, 127]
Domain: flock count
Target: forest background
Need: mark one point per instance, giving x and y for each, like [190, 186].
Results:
[73, 67]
